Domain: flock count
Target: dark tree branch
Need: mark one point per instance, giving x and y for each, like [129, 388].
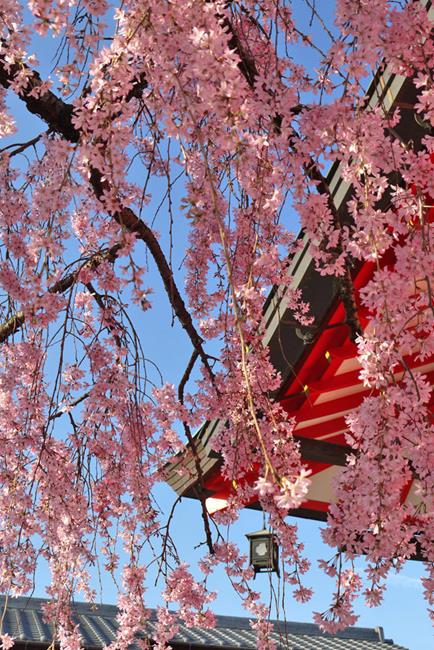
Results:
[108, 255]
[199, 487]
[248, 69]
[56, 113]
[58, 116]
[129, 220]
[111, 323]
[15, 322]
[69, 406]
[186, 376]
[246, 64]
[11, 325]
[21, 146]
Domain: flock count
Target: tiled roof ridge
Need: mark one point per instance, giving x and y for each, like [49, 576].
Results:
[222, 620]
[226, 627]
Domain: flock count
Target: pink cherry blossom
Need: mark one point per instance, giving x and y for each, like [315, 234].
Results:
[173, 141]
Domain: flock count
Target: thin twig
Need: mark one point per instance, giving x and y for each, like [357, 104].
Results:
[199, 487]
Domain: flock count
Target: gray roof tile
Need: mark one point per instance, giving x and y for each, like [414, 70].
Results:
[97, 623]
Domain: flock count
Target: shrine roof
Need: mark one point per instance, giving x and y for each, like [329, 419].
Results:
[23, 620]
[298, 354]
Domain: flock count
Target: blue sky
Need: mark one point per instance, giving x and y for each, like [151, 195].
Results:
[402, 615]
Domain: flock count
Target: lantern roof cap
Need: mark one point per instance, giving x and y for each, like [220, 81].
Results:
[260, 533]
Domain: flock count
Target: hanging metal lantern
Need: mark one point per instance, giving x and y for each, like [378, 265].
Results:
[264, 551]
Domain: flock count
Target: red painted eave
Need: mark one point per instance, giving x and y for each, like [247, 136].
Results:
[324, 390]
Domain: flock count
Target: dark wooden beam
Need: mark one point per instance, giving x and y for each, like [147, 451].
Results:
[322, 451]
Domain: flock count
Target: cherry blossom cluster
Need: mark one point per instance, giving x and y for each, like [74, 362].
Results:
[214, 102]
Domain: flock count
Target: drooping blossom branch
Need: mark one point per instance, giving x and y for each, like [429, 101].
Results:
[218, 98]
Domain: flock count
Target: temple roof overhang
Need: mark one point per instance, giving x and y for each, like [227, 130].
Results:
[319, 367]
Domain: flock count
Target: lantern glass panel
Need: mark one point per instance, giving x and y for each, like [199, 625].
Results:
[264, 551]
